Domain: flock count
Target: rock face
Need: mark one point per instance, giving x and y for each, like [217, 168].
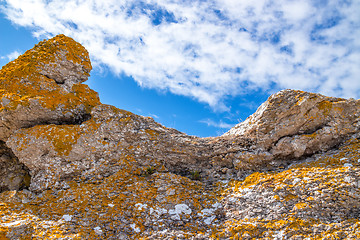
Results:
[13, 174]
[73, 168]
[43, 86]
[293, 124]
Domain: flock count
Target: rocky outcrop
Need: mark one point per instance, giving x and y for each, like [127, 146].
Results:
[43, 86]
[294, 124]
[315, 199]
[73, 168]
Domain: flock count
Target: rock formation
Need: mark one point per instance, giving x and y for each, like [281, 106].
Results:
[73, 168]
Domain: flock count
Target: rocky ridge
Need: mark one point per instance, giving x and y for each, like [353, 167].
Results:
[73, 168]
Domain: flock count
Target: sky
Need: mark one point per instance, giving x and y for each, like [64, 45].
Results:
[200, 66]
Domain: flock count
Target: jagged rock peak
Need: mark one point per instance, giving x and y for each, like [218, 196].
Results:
[42, 86]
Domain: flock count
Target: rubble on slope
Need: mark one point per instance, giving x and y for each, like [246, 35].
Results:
[74, 168]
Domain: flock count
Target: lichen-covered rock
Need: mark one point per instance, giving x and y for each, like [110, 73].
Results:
[43, 86]
[95, 148]
[13, 174]
[293, 124]
[318, 198]
[290, 171]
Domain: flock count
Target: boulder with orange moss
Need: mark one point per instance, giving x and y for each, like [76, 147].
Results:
[43, 86]
[317, 198]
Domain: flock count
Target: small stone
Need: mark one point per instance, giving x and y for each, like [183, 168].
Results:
[5, 101]
[67, 218]
[209, 220]
[170, 192]
[347, 179]
[98, 230]
[181, 208]
[140, 206]
[296, 180]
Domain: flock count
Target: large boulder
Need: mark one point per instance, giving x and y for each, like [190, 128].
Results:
[43, 86]
[294, 124]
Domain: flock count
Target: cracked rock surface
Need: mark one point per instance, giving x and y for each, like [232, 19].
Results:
[73, 168]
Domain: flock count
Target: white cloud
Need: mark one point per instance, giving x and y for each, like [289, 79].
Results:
[221, 124]
[11, 56]
[154, 116]
[211, 49]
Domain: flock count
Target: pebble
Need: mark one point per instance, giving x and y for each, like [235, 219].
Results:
[98, 230]
[67, 218]
[348, 165]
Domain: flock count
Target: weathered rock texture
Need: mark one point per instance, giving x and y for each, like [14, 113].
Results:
[43, 86]
[73, 168]
[293, 124]
[13, 174]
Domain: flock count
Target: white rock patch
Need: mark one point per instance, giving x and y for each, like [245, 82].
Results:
[348, 165]
[140, 206]
[135, 228]
[179, 209]
[67, 218]
[209, 220]
[98, 230]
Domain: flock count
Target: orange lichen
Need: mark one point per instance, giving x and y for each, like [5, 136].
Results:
[325, 107]
[102, 202]
[94, 202]
[96, 206]
[62, 137]
[25, 71]
[327, 173]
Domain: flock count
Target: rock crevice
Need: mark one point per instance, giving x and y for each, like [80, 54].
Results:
[14, 175]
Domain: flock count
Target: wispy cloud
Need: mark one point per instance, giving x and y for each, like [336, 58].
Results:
[221, 124]
[11, 56]
[154, 116]
[210, 49]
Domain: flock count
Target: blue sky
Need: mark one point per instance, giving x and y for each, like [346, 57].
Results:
[199, 66]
